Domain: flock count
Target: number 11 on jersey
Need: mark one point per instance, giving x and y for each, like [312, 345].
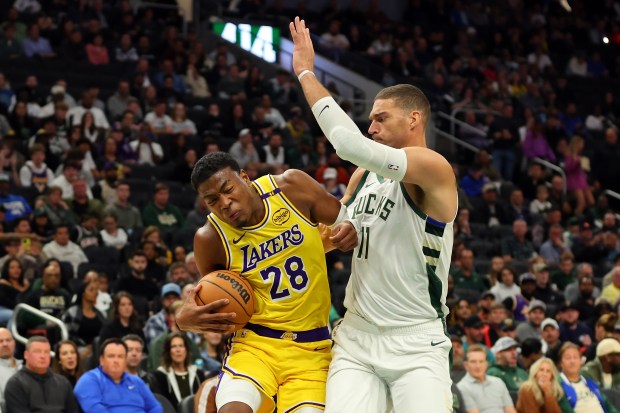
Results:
[363, 248]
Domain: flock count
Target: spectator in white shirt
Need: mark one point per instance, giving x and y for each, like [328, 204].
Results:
[149, 152]
[272, 114]
[87, 104]
[35, 171]
[334, 41]
[65, 180]
[63, 249]
[111, 234]
[180, 123]
[158, 120]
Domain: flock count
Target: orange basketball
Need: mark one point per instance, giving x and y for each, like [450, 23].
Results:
[227, 284]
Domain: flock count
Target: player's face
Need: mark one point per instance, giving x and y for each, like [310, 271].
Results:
[229, 196]
[388, 123]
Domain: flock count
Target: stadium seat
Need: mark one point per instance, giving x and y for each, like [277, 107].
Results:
[142, 171]
[165, 403]
[102, 255]
[186, 405]
[613, 396]
[185, 238]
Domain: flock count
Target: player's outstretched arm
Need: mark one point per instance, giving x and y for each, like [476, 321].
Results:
[415, 165]
[205, 318]
[320, 205]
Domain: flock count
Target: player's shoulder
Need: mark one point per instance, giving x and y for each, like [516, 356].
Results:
[206, 234]
[291, 177]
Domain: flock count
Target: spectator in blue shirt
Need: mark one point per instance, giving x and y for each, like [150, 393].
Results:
[109, 389]
[34, 45]
[16, 206]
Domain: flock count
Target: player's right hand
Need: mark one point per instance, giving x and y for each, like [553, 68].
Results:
[204, 318]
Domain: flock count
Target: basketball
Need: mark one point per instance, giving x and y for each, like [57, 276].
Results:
[227, 284]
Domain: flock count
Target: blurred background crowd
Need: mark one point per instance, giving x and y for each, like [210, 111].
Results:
[105, 107]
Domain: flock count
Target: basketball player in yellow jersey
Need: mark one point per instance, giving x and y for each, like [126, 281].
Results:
[266, 230]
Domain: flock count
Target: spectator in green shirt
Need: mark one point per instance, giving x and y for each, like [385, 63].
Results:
[160, 212]
[505, 366]
[466, 277]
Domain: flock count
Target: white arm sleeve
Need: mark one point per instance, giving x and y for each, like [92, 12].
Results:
[353, 146]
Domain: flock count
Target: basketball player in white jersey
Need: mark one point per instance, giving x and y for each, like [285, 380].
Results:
[391, 348]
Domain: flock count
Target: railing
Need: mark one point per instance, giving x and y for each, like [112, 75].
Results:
[453, 118]
[553, 167]
[613, 194]
[462, 124]
[458, 141]
[64, 333]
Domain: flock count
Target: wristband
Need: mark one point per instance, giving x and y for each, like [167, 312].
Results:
[304, 73]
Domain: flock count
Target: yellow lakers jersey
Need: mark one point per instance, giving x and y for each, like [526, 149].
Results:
[282, 257]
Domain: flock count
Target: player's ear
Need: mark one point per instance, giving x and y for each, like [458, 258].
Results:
[244, 175]
[415, 117]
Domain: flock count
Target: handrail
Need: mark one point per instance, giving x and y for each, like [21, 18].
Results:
[457, 141]
[454, 113]
[64, 333]
[613, 194]
[553, 167]
[462, 124]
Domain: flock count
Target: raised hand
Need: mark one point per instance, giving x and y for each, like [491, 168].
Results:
[303, 51]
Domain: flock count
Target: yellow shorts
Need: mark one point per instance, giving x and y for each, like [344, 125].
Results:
[294, 372]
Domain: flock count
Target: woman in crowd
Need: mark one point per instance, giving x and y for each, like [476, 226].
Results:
[124, 318]
[111, 234]
[67, 361]
[176, 378]
[12, 285]
[542, 393]
[83, 320]
[506, 286]
[576, 175]
[584, 395]
[212, 348]
[458, 315]
[604, 328]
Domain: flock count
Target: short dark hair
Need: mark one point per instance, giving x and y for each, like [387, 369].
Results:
[133, 337]
[61, 225]
[112, 340]
[138, 253]
[531, 346]
[211, 163]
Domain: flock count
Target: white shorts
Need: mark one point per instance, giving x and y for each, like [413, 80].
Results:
[374, 369]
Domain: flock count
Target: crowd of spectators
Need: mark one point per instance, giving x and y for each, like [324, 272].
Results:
[97, 216]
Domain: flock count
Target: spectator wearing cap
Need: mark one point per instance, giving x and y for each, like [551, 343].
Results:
[490, 210]
[476, 333]
[605, 368]
[482, 392]
[550, 333]
[160, 212]
[521, 301]
[535, 316]
[588, 247]
[465, 276]
[486, 301]
[35, 172]
[136, 283]
[583, 394]
[163, 321]
[505, 365]
[508, 328]
[517, 246]
[243, 150]
[611, 293]
[330, 183]
[15, 205]
[571, 329]
[128, 215]
[544, 290]
[531, 351]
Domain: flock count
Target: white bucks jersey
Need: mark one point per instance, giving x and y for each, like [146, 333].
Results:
[400, 265]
